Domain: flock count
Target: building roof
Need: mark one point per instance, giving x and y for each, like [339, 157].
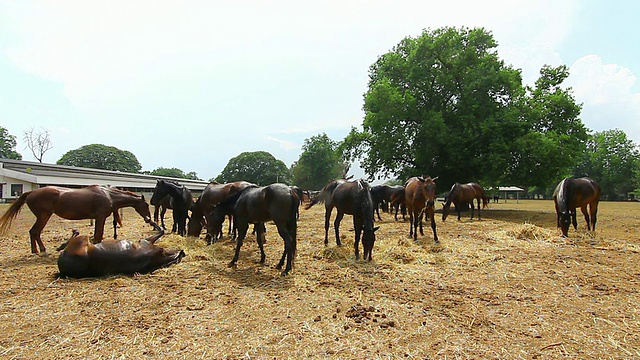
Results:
[53, 174]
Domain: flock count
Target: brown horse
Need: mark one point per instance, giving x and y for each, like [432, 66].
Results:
[464, 193]
[571, 194]
[212, 194]
[351, 198]
[81, 259]
[91, 202]
[420, 196]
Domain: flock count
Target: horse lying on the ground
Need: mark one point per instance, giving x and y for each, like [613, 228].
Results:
[80, 258]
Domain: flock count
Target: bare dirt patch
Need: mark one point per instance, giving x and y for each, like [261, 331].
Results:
[505, 287]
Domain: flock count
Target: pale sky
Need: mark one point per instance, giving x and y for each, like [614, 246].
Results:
[191, 84]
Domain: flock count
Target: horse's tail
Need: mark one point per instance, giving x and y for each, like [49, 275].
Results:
[323, 195]
[12, 212]
[485, 199]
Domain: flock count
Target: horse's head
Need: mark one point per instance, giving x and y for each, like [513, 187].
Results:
[565, 221]
[214, 226]
[142, 208]
[159, 192]
[428, 188]
[368, 239]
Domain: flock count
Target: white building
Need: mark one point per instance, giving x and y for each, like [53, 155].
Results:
[17, 177]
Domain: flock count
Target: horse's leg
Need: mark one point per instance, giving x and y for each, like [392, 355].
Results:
[458, 205]
[433, 224]
[242, 233]
[289, 248]
[98, 232]
[116, 215]
[594, 211]
[327, 216]
[586, 216]
[411, 224]
[164, 210]
[573, 219]
[259, 228]
[156, 210]
[420, 222]
[357, 227]
[336, 226]
[472, 208]
[36, 230]
[479, 215]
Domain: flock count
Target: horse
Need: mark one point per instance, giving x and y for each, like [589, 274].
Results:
[571, 194]
[397, 202]
[91, 202]
[351, 198]
[383, 197]
[181, 201]
[420, 195]
[81, 258]
[160, 209]
[464, 193]
[212, 194]
[300, 193]
[257, 205]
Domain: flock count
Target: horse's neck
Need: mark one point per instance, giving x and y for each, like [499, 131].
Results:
[564, 195]
[174, 190]
[119, 199]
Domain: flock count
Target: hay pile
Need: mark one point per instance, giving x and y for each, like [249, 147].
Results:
[504, 287]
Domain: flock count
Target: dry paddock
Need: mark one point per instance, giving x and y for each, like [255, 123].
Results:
[505, 287]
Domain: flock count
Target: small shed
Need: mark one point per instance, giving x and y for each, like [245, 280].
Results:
[510, 189]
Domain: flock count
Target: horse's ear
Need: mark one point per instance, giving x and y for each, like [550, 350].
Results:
[142, 197]
[435, 178]
[376, 228]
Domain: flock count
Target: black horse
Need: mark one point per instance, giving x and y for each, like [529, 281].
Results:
[160, 209]
[181, 202]
[257, 205]
[571, 194]
[351, 198]
[383, 197]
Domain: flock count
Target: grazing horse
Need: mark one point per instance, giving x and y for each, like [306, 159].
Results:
[81, 258]
[351, 198]
[91, 202]
[181, 201]
[571, 194]
[212, 194]
[464, 193]
[257, 205]
[420, 196]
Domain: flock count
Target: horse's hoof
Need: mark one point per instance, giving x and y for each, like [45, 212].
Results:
[232, 265]
[284, 273]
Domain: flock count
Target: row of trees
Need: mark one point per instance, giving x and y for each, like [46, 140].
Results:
[442, 104]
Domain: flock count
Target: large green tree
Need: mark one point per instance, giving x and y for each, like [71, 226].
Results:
[100, 156]
[444, 104]
[175, 173]
[258, 167]
[319, 162]
[613, 160]
[8, 145]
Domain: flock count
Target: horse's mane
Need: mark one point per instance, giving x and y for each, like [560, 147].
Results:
[325, 193]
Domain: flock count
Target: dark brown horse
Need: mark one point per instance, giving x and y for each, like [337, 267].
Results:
[464, 193]
[81, 258]
[257, 205]
[388, 198]
[420, 196]
[351, 198]
[397, 201]
[91, 202]
[571, 194]
[212, 194]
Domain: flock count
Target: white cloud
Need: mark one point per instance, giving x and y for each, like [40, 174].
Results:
[607, 94]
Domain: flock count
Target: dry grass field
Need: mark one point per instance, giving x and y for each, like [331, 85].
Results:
[506, 287]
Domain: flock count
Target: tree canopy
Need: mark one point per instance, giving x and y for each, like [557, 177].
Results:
[258, 167]
[8, 145]
[174, 172]
[444, 104]
[319, 162]
[613, 160]
[100, 156]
